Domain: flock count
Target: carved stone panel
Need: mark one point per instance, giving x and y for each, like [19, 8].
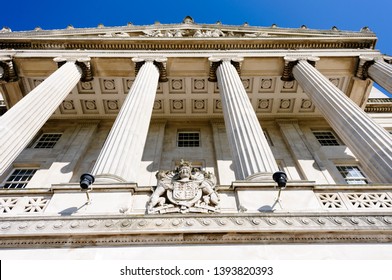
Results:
[185, 189]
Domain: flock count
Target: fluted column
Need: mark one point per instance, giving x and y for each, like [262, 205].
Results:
[120, 157]
[381, 73]
[20, 124]
[252, 156]
[369, 142]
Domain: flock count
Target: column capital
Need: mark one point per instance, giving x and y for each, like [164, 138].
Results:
[387, 59]
[365, 61]
[363, 66]
[291, 60]
[159, 62]
[83, 62]
[215, 61]
[7, 70]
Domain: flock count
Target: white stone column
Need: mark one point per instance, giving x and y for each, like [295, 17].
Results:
[369, 142]
[381, 73]
[20, 124]
[121, 155]
[252, 156]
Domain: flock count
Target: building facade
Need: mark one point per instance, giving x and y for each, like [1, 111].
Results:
[260, 142]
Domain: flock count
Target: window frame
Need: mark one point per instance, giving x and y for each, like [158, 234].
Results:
[178, 140]
[12, 181]
[325, 144]
[355, 180]
[44, 143]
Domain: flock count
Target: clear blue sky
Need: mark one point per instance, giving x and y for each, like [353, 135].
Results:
[345, 14]
[315, 14]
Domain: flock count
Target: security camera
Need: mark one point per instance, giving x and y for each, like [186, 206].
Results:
[86, 180]
[281, 178]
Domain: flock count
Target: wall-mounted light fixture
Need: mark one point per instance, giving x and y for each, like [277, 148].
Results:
[86, 180]
[281, 179]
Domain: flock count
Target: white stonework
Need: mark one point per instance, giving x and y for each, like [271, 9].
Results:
[19, 125]
[381, 72]
[251, 154]
[122, 152]
[371, 143]
[133, 119]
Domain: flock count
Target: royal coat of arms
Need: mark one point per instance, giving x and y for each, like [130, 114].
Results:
[184, 190]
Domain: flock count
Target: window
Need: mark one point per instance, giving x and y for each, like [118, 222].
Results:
[352, 174]
[326, 138]
[19, 178]
[188, 139]
[47, 141]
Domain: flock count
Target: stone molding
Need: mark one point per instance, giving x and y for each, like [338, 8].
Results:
[379, 105]
[184, 44]
[196, 229]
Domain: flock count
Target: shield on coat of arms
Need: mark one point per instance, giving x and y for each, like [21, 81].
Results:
[185, 193]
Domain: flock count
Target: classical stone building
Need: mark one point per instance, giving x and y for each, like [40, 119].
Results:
[168, 136]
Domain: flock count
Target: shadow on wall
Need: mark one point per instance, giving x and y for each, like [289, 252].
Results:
[270, 208]
[152, 167]
[71, 210]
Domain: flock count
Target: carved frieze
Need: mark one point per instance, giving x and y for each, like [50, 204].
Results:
[201, 228]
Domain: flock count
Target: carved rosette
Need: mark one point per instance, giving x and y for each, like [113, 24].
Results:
[184, 190]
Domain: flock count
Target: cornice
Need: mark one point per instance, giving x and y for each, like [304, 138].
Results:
[76, 231]
[186, 43]
[379, 105]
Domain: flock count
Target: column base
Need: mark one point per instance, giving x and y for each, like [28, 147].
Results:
[109, 178]
[261, 176]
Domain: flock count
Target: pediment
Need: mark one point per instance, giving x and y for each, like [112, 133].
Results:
[187, 29]
[187, 35]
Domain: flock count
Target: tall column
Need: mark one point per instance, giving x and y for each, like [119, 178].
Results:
[369, 142]
[20, 124]
[121, 155]
[252, 156]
